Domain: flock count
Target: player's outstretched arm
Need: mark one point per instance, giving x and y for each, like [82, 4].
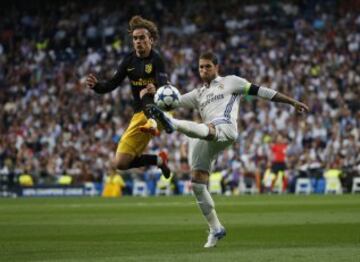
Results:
[274, 96]
[110, 85]
[299, 106]
[103, 87]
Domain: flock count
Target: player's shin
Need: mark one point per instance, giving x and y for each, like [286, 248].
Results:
[144, 160]
[207, 205]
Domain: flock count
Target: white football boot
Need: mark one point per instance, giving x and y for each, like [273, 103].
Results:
[214, 237]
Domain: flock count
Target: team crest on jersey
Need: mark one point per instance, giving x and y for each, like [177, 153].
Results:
[148, 68]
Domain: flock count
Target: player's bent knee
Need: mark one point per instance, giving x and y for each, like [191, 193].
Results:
[200, 177]
[114, 164]
[212, 133]
[121, 166]
[122, 162]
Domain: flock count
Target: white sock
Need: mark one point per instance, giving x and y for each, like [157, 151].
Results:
[191, 128]
[207, 206]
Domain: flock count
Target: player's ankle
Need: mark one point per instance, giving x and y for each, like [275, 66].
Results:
[162, 158]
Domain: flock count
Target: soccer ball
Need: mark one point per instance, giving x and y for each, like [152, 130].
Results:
[167, 97]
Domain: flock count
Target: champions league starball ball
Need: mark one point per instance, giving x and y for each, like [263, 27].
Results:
[167, 97]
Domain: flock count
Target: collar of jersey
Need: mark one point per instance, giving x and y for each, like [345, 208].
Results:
[214, 81]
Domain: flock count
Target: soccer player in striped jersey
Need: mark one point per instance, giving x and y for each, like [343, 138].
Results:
[218, 101]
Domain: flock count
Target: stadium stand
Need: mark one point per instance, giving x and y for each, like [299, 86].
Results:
[50, 125]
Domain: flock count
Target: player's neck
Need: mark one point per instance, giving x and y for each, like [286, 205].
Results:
[143, 54]
[207, 82]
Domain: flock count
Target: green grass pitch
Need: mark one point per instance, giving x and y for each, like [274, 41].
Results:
[260, 228]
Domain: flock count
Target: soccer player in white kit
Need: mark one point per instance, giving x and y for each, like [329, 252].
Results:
[218, 102]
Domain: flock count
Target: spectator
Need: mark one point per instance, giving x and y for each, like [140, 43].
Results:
[43, 58]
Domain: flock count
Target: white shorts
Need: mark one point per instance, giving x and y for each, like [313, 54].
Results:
[203, 153]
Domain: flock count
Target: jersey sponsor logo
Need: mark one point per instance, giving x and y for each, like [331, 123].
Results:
[142, 82]
[210, 98]
[148, 68]
[130, 69]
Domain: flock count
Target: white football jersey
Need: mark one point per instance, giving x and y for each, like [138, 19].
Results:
[219, 102]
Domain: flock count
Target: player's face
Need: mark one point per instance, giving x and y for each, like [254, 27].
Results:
[208, 71]
[142, 41]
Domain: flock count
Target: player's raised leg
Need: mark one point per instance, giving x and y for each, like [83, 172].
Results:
[133, 143]
[189, 128]
[126, 161]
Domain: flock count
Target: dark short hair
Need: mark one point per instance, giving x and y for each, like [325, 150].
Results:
[210, 56]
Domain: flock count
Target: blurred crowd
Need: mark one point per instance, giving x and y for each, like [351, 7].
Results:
[51, 125]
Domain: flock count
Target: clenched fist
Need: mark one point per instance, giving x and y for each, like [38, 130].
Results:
[91, 81]
[301, 107]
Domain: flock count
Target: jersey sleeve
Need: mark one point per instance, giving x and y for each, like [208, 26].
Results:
[189, 100]
[161, 77]
[239, 85]
[115, 81]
